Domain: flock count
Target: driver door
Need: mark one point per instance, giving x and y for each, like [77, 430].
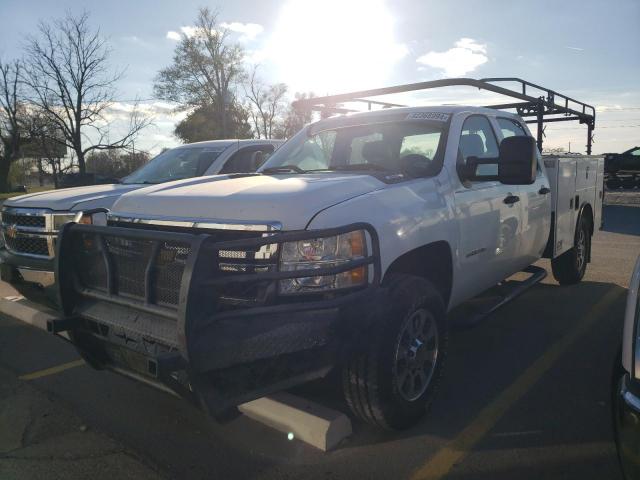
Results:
[488, 214]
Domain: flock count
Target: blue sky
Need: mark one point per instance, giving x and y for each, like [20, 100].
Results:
[587, 49]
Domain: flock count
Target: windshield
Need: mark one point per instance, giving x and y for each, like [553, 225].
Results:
[365, 147]
[175, 164]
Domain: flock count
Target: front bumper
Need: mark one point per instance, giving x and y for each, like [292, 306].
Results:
[627, 425]
[219, 359]
[32, 277]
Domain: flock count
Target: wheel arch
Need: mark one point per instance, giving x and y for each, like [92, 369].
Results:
[586, 211]
[432, 261]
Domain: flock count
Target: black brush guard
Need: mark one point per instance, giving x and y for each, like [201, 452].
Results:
[216, 357]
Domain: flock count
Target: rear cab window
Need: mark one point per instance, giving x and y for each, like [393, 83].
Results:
[512, 128]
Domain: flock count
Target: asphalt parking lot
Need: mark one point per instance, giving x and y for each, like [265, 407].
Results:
[525, 395]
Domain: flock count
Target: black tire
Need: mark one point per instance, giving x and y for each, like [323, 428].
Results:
[570, 267]
[371, 377]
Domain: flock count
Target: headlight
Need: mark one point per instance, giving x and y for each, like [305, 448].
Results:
[322, 253]
[59, 219]
[95, 218]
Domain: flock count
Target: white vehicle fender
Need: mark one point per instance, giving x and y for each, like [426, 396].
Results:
[406, 216]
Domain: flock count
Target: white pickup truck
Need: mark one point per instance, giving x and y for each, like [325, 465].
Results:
[346, 250]
[30, 223]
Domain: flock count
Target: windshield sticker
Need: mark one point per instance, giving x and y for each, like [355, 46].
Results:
[441, 117]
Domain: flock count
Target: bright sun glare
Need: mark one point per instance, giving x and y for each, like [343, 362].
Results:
[335, 45]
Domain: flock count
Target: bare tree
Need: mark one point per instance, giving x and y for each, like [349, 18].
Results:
[45, 142]
[69, 78]
[266, 103]
[11, 116]
[206, 66]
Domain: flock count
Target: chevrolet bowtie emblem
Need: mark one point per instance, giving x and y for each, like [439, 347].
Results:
[12, 231]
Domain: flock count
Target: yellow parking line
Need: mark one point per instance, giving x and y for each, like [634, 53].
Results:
[52, 371]
[441, 463]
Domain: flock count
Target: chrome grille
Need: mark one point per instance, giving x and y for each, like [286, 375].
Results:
[29, 231]
[21, 220]
[28, 245]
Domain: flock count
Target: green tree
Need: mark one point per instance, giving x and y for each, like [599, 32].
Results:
[202, 124]
[206, 67]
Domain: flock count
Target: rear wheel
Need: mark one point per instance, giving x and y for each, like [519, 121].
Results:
[570, 267]
[392, 382]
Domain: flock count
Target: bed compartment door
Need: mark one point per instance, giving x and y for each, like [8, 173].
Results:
[562, 175]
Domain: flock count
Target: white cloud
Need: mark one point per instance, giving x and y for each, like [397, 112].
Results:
[189, 31]
[171, 35]
[465, 56]
[577, 49]
[247, 31]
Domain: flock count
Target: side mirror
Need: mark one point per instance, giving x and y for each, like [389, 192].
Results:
[257, 159]
[517, 163]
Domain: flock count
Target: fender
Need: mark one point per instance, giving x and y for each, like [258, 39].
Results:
[581, 212]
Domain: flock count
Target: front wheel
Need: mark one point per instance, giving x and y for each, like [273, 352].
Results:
[392, 381]
[570, 267]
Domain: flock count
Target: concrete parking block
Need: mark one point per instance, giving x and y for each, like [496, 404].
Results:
[300, 418]
[27, 312]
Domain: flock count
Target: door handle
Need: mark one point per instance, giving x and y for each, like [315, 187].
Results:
[544, 190]
[511, 199]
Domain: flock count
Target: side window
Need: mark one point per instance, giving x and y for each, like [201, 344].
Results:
[511, 128]
[478, 140]
[361, 146]
[425, 144]
[243, 160]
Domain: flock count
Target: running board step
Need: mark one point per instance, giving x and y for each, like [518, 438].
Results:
[478, 309]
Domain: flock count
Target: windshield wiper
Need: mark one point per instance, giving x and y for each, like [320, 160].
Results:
[283, 169]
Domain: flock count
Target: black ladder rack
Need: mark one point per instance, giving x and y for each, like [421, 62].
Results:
[547, 106]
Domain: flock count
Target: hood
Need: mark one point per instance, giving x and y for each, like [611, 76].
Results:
[77, 198]
[289, 199]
